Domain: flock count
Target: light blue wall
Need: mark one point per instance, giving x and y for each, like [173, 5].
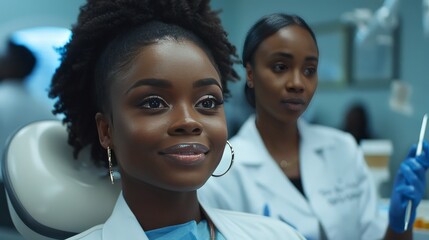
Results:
[329, 106]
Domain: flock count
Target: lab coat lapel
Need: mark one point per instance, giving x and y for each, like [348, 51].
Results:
[312, 158]
[314, 169]
[271, 178]
[271, 183]
[313, 161]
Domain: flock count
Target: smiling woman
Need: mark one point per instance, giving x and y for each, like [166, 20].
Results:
[161, 98]
[154, 76]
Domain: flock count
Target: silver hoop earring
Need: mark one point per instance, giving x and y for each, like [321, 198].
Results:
[232, 161]
[109, 158]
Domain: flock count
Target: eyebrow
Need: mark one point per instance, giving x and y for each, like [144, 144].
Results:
[290, 56]
[206, 82]
[160, 83]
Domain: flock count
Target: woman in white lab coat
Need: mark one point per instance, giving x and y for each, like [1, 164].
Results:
[312, 177]
[142, 83]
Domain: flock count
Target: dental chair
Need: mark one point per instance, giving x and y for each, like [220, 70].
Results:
[50, 194]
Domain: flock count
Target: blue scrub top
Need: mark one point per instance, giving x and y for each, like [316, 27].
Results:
[186, 231]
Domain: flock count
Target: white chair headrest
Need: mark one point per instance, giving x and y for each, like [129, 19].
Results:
[50, 194]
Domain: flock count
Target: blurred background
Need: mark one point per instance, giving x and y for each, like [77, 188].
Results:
[373, 72]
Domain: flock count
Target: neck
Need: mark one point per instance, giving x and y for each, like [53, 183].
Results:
[281, 138]
[278, 135]
[156, 208]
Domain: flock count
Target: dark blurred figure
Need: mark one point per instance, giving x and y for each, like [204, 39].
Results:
[17, 63]
[356, 122]
[18, 106]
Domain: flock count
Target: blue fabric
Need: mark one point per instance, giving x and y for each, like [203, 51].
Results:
[409, 184]
[186, 231]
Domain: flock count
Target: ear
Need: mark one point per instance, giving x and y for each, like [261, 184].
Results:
[104, 130]
[249, 75]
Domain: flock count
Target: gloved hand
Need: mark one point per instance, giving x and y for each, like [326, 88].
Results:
[409, 184]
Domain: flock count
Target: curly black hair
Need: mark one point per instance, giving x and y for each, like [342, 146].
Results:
[100, 48]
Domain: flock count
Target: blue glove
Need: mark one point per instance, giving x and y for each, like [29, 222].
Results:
[409, 184]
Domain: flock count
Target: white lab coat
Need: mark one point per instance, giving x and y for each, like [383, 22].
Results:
[335, 178]
[122, 224]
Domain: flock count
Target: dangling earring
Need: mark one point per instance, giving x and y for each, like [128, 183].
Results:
[232, 161]
[249, 84]
[109, 158]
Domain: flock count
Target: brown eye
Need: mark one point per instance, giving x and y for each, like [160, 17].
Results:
[153, 102]
[309, 72]
[279, 67]
[208, 102]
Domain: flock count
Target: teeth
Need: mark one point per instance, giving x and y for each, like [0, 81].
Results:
[187, 153]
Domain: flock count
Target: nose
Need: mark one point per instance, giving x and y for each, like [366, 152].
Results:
[295, 83]
[185, 122]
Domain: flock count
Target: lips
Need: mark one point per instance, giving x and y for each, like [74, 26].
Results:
[293, 104]
[186, 153]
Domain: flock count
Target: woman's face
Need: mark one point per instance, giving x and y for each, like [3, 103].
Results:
[167, 123]
[284, 74]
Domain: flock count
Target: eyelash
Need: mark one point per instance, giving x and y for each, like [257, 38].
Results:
[285, 67]
[312, 70]
[216, 103]
[277, 65]
[146, 103]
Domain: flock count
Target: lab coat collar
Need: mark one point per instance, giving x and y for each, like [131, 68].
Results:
[122, 224]
[218, 220]
[313, 137]
[232, 225]
[252, 154]
[253, 150]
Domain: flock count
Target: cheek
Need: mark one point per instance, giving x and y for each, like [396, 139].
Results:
[215, 127]
[148, 128]
[316, 83]
[126, 130]
[267, 85]
[311, 87]
[217, 133]
[135, 137]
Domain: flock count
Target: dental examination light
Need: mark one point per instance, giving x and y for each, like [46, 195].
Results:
[374, 28]
[384, 20]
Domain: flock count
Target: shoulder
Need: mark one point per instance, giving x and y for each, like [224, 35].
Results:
[333, 133]
[251, 226]
[228, 191]
[246, 133]
[93, 233]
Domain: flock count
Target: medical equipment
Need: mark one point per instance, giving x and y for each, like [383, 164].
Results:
[373, 26]
[384, 20]
[418, 152]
